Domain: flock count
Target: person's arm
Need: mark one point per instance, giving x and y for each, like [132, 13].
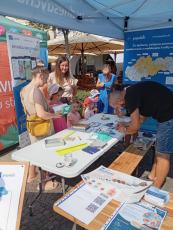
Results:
[75, 91]
[133, 126]
[45, 115]
[86, 114]
[120, 113]
[69, 120]
[110, 82]
[38, 100]
[99, 84]
[73, 83]
[142, 119]
[50, 79]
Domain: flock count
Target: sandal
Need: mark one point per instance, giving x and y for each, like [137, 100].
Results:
[49, 185]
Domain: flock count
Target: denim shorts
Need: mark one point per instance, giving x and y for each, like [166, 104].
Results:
[164, 137]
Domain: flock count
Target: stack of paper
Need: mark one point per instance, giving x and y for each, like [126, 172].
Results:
[156, 196]
[80, 127]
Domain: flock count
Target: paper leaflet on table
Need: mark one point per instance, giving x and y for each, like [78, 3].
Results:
[91, 203]
[120, 186]
[108, 130]
[68, 134]
[141, 215]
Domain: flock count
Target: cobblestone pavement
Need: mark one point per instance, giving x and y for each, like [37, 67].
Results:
[44, 218]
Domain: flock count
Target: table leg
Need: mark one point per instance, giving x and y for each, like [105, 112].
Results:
[74, 226]
[39, 192]
[63, 185]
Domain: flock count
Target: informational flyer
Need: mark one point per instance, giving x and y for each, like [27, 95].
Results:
[119, 186]
[136, 216]
[11, 178]
[23, 52]
[90, 203]
[148, 55]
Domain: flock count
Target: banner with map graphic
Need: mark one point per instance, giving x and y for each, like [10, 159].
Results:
[149, 56]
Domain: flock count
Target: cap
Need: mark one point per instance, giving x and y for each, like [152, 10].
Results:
[94, 93]
[53, 89]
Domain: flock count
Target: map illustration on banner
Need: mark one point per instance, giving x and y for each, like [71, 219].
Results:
[149, 56]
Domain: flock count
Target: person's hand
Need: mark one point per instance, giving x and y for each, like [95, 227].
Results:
[57, 114]
[121, 127]
[101, 84]
[119, 113]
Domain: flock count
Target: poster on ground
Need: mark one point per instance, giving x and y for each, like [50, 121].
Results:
[11, 179]
[149, 56]
[23, 52]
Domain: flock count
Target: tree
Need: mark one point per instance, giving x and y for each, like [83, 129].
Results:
[39, 26]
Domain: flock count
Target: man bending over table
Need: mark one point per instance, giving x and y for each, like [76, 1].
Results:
[149, 99]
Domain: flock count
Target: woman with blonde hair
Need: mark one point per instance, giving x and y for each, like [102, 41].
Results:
[35, 105]
[104, 84]
[62, 77]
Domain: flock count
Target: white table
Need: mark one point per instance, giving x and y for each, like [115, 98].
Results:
[46, 158]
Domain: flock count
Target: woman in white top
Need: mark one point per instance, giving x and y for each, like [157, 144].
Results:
[62, 77]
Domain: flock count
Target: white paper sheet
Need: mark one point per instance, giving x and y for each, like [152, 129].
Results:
[119, 186]
[84, 203]
[10, 188]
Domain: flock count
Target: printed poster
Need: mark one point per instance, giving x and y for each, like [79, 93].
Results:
[23, 52]
[136, 216]
[11, 178]
[8, 124]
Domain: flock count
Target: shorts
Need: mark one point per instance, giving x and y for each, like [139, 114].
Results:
[164, 137]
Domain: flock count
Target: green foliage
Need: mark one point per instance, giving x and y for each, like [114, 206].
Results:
[39, 26]
[82, 94]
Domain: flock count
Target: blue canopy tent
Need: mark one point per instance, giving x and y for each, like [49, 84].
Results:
[108, 18]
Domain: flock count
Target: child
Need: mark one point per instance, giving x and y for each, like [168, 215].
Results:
[74, 116]
[55, 94]
[88, 108]
[94, 95]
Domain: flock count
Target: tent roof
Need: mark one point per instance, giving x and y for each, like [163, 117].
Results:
[108, 18]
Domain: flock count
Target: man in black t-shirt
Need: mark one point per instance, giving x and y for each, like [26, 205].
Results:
[150, 99]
